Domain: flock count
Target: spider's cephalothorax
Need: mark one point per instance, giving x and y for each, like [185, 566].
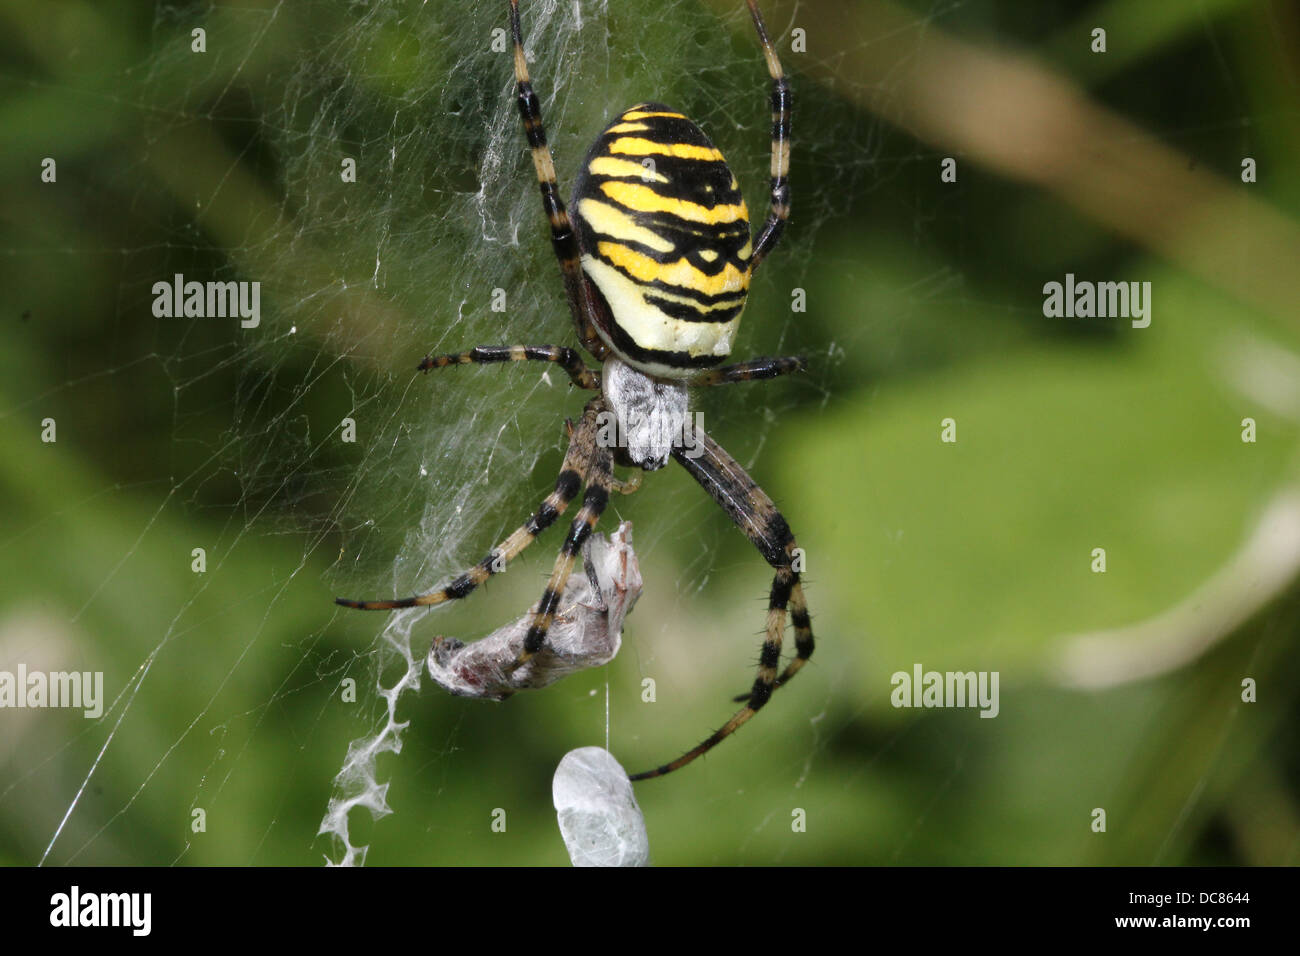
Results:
[656, 266]
[650, 414]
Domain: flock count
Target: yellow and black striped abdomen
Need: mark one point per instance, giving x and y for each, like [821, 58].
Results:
[665, 242]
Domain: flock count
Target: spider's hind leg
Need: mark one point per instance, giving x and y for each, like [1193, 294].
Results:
[779, 210]
[563, 239]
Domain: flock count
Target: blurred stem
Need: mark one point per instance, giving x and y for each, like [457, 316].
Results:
[1015, 116]
[1204, 742]
[1264, 568]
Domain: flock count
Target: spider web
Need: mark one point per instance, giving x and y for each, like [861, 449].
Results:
[203, 503]
[228, 168]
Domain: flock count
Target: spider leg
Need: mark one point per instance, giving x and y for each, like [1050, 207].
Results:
[563, 238]
[576, 462]
[752, 370]
[561, 355]
[780, 210]
[803, 639]
[755, 514]
[626, 486]
[599, 475]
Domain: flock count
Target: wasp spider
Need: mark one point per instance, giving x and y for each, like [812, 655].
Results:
[656, 261]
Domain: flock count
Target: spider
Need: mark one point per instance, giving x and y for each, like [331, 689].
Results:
[656, 262]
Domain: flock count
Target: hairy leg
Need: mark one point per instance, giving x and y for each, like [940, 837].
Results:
[753, 370]
[755, 514]
[594, 499]
[577, 461]
[561, 355]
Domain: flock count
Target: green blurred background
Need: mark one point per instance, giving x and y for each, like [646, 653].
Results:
[1119, 690]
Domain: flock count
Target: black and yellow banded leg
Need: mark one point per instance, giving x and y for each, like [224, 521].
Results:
[561, 355]
[572, 473]
[803, 635]
[594, 500]
[755, 514]
[764, 683]
[753, 370]
[770, 234]
[563, 239]
[803, 639]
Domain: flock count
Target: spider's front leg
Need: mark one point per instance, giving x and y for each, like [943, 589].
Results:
[600, 475]
[577, 460]
[755, 514]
